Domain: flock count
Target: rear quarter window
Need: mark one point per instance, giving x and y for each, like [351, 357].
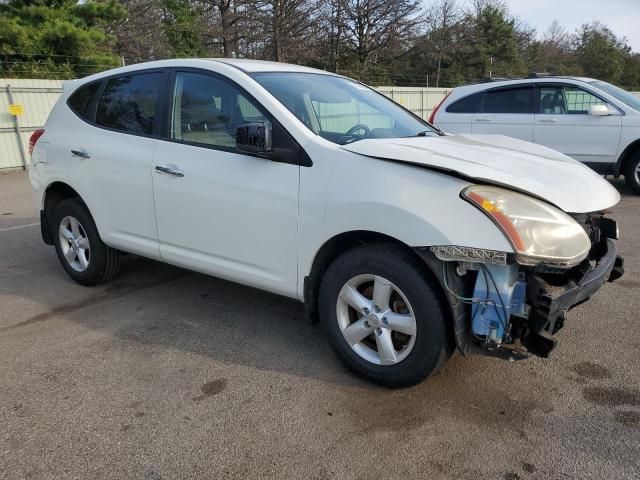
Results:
[468, 104]
[130, 103]
[81, 100]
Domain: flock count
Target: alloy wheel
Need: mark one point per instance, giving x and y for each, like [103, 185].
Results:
[376, 319]
[74, 243]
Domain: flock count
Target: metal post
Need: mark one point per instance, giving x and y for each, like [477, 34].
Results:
[23, 151]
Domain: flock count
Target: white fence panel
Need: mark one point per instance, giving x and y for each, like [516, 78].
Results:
[39, 96]
[420, 100]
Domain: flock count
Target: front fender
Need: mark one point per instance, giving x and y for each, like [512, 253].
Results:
[415, 206]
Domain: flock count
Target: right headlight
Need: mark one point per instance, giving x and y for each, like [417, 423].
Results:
[539, 232]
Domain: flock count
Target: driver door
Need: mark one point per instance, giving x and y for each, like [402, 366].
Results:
[218, 210]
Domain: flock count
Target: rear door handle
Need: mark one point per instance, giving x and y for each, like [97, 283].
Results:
[548, 120]
[169, 171]
[80, 153]
[483, 119]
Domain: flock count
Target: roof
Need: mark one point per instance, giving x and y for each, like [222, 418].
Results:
[539, 79]
[245, 65]
[253, 66]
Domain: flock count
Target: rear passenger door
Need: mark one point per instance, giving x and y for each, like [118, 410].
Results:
[564, 124]
[506, 111]
[112, 155]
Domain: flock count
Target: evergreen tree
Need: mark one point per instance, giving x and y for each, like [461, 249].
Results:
[600, 53]
[61, 38]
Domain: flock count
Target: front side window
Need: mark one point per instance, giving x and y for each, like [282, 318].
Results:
[509, 100]
[130, 103]
[566, 100]
[341, 110]
[80, 101]
[207, 110]
[579, 101]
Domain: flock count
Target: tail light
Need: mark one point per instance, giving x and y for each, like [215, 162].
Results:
[432, 117]
[34, 138]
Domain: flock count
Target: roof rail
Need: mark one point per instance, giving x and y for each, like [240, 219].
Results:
[497, 79]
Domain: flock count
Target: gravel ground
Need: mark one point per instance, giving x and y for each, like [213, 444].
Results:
[164, 374]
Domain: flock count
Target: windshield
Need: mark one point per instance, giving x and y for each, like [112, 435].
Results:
[341, 110]
[619, 93]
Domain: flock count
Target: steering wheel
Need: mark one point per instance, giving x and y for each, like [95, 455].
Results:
[349, 134]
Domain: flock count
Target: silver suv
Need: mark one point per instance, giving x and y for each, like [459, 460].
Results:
[592, 121]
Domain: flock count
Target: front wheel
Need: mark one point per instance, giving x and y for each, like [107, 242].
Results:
[382, 315]
[632, 174]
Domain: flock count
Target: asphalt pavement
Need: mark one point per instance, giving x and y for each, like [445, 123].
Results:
[168, 374]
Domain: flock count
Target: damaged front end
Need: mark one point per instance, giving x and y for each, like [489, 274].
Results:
[504, 308]
[552, 294]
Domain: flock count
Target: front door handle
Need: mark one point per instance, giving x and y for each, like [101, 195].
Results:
[169, 171]
[80, 153]
[483, 119]
[548, 120]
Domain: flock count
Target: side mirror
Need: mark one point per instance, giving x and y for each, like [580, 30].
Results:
[599, 110]
[254, 137]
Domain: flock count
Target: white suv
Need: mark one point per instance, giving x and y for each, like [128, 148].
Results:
[592, 121]
[405, 243]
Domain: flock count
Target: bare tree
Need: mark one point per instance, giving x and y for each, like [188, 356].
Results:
[442, 18]
[227, 19]
[371, 25]
[335, 31]
[139, 37]
[287, 24]
[554, 50]
[478, 6]
[556, 34]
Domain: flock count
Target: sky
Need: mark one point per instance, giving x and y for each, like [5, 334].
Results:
[621, 16]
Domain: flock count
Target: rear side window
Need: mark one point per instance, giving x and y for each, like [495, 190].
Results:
[467, 104]
[130, 104]
[80, 101]
[509, 100]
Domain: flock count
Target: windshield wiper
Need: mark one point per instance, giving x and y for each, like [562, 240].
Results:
[425, 132]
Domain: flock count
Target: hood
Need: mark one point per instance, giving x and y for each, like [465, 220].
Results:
[501, 160]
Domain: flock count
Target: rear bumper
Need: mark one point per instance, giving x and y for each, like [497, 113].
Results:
[551, 301]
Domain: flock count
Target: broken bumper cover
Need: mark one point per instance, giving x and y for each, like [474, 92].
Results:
[551, 300]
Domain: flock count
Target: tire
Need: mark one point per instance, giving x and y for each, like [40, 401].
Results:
[84, 256]
[632, 173]
[413, 295]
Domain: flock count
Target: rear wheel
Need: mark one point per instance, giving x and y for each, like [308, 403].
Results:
[382, 315]
[632, 173]
[80, 250]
